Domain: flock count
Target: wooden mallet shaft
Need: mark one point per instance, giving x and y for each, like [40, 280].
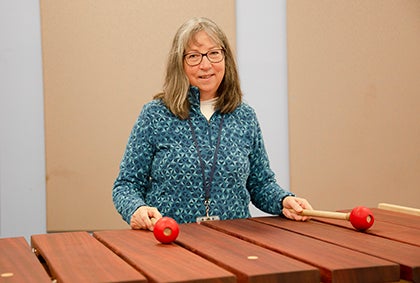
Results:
[326, 214]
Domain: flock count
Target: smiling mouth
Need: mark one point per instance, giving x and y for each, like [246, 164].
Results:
[205, 77]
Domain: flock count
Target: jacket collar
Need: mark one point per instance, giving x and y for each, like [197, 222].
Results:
[194, 97]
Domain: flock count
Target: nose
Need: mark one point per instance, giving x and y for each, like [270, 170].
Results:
[205, 62]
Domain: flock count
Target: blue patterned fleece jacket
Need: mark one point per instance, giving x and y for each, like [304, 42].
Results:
[161, 165]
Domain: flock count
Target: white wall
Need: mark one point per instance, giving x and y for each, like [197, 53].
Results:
[262, 60]
[22, 155]
[261, 46]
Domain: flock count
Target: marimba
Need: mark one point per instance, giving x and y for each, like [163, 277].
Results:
[261, 249]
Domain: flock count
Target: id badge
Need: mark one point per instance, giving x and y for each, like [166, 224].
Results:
[207, 218]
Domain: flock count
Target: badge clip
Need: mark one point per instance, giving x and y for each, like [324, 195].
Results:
[207, 218]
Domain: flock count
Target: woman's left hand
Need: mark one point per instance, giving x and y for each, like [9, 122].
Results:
[293, 206]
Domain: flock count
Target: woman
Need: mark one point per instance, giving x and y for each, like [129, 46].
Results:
[196, 151]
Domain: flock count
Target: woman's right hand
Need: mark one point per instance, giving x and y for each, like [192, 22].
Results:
[141, 218]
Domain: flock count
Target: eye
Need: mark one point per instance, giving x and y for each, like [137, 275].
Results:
[214, 53]
[193, 56]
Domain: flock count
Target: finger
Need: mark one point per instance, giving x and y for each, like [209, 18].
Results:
[141, 218]
[286, 213]
[152, 213]
[137, 219]
[144, 220]
[292, 214]
[295, 204]
[303, 203]
[133, 224]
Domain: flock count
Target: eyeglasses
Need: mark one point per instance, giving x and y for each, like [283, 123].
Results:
[195, 58]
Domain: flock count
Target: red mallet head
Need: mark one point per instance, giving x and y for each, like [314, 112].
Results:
[361, 218]
[166, 230]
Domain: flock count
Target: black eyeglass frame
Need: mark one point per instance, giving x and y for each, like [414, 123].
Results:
[205, 54]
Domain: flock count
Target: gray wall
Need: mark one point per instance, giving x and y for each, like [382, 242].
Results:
[262, 60]
[22, 155]
[261, 29]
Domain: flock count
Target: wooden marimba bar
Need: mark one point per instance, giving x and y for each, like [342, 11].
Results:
[262, 249]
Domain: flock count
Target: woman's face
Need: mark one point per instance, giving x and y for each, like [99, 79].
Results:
[206, 76]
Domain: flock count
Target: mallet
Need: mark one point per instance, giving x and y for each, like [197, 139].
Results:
[360, 217]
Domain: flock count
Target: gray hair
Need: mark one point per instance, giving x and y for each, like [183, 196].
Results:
[176, 83]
